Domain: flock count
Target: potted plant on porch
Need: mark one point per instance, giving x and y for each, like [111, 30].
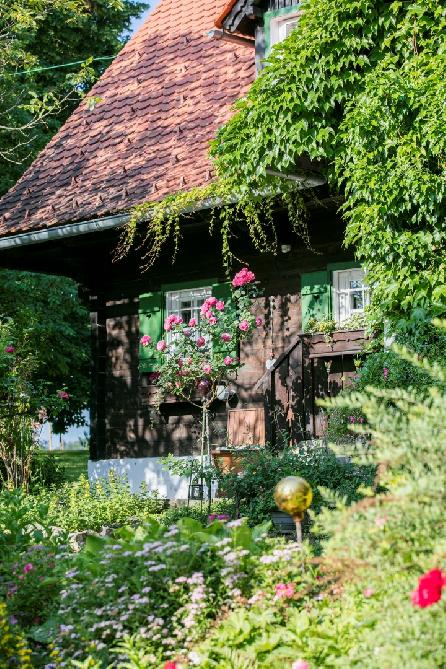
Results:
[198, 358]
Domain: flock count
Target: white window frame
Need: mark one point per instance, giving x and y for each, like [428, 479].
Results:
[278, 27]
[173, 304]
[343, 292]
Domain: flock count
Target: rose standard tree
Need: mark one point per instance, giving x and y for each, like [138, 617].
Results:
[197, 358]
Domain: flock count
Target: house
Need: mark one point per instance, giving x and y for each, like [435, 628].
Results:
[143, 133]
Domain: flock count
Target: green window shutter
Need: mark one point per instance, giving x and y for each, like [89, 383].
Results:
[151, 307]
[315, 296]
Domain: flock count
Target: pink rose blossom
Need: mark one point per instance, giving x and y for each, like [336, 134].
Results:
[192, 323]
[201, 341]
[385, 372]
[208, 314]
[226, 336]
[244, 326]
[27, 568]
[212, 301]
[243, 277]
[207, 369]
[203, 386]
[145, 340]
[161, 345]
[167, 326]
[300, 664]
[228, 360]
[63, 395]
[220, 305]
[368, 592]
[213, 320]
[187, 332]
[259, 322]
[9, 349]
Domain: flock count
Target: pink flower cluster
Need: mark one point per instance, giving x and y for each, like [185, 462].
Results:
[385, 372]
[226, 336]
[9, 349]
[244, 326]
[173, 319]
[300, 664]
[145, 340]
[429, 589]
[243, 277]
[285, 590]
[352, 419]
[207, 307]
[63, 395]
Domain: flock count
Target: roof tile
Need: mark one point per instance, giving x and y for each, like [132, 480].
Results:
[162, 100]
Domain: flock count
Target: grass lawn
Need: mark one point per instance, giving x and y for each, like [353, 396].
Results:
[74, 463]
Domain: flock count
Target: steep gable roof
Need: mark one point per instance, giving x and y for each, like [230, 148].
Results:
[162, 100]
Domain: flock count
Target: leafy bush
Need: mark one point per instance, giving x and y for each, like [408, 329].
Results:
[262, 470]
[164, 584]
[360, 612]
[79, 505]
[46, 471]
[13, 649]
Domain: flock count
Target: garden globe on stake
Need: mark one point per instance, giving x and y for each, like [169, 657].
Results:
[293, 495]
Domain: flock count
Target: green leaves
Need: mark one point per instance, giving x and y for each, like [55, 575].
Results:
[360, 85]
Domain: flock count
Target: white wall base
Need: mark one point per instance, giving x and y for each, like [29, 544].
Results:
[142, 470]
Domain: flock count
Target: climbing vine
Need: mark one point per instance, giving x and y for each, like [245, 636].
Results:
[153, 224]
[360, 86]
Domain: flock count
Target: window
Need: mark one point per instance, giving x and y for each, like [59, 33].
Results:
[281, 26]
[350, 294]
[186, 303]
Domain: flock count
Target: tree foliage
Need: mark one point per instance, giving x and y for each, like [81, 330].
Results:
[359, 85]
[51, 328]
[36, 34]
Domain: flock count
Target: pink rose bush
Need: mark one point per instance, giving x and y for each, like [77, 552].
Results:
[201, 353]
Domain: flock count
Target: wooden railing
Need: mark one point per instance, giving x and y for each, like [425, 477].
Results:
[312, 367]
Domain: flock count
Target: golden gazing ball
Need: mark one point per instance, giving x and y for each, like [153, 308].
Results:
[293, 495]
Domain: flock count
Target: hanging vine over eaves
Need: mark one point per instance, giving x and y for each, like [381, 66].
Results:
[155, 223]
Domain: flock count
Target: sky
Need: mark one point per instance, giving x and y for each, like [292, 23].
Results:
[73, 434]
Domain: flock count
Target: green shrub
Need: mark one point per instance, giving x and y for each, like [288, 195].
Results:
[164, 584]
[359, 612]
[46, 471]
[79, 505]
[252, 492]
[13, 649]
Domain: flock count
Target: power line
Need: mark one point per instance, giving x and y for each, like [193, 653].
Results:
[55, 67]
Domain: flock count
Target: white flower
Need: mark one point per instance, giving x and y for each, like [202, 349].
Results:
[194, 657]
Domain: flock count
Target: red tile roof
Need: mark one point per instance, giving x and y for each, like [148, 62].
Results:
[163, 98]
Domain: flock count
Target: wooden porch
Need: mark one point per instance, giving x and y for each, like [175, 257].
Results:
[313, 367]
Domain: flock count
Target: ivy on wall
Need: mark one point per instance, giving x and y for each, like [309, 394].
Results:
[360, 85]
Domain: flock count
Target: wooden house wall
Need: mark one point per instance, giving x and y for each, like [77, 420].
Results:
[126, 421]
